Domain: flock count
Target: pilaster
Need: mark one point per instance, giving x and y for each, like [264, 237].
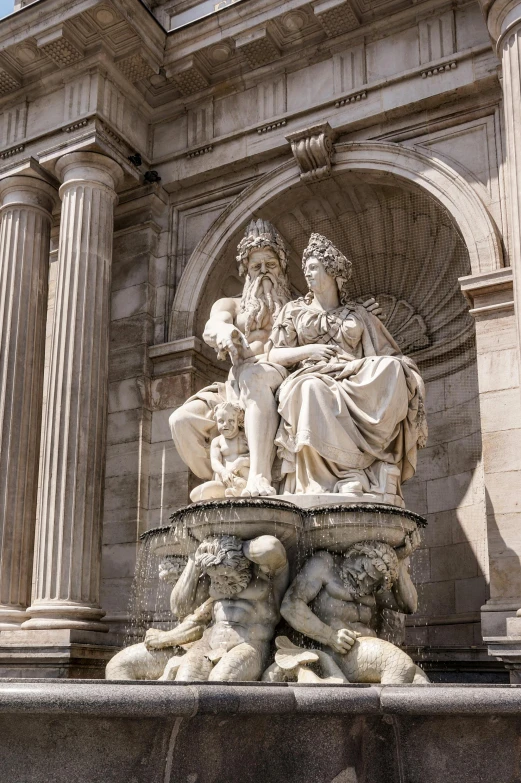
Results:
[503, 634]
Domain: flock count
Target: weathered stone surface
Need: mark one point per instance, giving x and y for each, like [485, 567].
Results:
[144, 732]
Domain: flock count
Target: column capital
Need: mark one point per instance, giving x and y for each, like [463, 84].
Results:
[27, 191]
[502, 16]
[82, 167]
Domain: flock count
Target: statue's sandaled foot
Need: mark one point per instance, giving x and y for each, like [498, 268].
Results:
[257, 486]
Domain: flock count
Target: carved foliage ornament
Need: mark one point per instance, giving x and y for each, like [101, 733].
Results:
[313, 150]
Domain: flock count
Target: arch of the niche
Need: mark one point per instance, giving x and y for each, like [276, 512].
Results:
[421, 169]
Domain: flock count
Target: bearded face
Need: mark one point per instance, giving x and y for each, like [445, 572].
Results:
[226, 582]
[266, 290]
[360, 576]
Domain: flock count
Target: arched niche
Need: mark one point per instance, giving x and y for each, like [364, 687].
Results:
[411, 225]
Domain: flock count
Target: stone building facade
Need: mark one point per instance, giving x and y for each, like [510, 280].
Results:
[136, 142]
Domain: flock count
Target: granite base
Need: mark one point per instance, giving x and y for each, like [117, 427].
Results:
[84, 731]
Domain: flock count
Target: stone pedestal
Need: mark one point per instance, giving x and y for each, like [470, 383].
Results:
[58, 654]
[25, 219]
[68, 541]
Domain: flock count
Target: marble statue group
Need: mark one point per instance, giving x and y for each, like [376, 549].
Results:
[319, 402]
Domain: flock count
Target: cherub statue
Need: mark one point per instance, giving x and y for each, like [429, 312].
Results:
[229, 456]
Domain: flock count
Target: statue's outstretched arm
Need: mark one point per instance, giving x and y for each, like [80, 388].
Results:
[222, 334]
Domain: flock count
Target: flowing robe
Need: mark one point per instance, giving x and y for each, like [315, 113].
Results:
[345, 415]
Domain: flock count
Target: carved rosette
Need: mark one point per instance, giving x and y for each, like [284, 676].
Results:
[313, 150]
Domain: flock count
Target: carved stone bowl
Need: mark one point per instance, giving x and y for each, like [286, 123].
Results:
[330, 527]
[336, 528]
[245, 518]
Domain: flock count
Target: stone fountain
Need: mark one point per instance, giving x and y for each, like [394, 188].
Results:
[300, 517]
[288, 575]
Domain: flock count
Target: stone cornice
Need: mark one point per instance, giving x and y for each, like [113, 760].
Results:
[341, 112]
[489, 292]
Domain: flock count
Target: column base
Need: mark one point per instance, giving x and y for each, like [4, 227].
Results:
[54, 616]
[11, 617]
[508, 649]
[65, 653]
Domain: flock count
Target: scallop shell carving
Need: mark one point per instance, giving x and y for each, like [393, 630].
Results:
[403, 322]
[404, 248]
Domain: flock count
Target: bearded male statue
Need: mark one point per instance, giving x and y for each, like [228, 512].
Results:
[238, 329]
[227, 600]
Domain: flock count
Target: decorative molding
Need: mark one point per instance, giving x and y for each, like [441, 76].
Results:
[272, 98]
[437, 37]
[75, 126]
[9, 81]
[490, 292]
[439, 69]
[14, 124]
[258, 47]
[200, 151]
[114, 136]
[12, 151]
[77, 99]
[360, 96]
[189, 76]
[313, 150]
[60, 45]
[273, 126]
[349, 69]
[200, 124]
[136, 66]
[336, 16]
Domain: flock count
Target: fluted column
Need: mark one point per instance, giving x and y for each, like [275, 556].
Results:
[25, 221]
[68, 540]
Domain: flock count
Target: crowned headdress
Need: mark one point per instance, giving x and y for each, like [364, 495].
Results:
[260, 233]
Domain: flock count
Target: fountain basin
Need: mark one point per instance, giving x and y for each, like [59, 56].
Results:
[54, 731]
[336, 528]
[331, 527]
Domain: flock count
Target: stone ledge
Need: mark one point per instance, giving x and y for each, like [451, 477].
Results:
[243, 733]
[156, 699]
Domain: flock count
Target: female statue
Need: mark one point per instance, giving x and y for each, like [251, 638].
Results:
[352, 415]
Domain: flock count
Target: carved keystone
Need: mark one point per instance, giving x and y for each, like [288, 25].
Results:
[313, 151]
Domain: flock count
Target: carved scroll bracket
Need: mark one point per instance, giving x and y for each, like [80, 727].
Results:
[313, 151]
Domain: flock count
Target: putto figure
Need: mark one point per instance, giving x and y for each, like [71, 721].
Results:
[229, 456]
[352, 412]
[239, 328]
